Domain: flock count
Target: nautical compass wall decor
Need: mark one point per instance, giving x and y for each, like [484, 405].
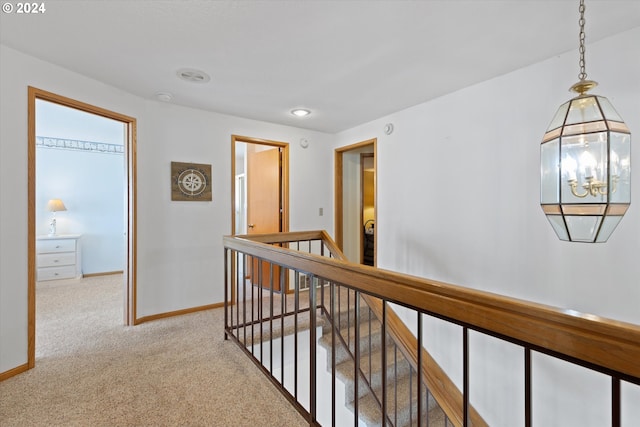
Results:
[190, 182]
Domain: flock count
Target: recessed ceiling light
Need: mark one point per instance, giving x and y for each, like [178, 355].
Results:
[192, 75]
[300, 112]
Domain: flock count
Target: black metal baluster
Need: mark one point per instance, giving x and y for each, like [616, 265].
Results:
[237, 326]
[419, 370]
[527, 387]
[395, 384]
[296, 308]
[226, 293]
[370, 365]
[243, 285]
[465, 376]
[349, 318]
[258, 263]
[323, 283]
[383, 343]
[282, 311]
[615, 402]
[253, 304]
[333, 354]
[339, 308]
[312, 355]
[356, 352]
[271, 318]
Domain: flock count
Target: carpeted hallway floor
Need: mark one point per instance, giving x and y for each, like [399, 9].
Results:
[93, 371]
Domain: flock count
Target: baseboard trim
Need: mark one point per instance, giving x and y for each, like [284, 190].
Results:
[177, 313]
[13, 372]
[106, 273]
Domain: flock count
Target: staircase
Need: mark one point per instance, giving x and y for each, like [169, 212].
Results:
[366, 372]
[365, 397]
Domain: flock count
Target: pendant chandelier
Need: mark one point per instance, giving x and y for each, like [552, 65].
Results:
[585, 163]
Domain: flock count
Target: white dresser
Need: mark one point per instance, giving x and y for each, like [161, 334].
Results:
[58, 257]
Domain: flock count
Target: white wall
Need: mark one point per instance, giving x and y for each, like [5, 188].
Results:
[183, 240]
[179, 243]
[54, 120]
[458, 201]
[92, 187]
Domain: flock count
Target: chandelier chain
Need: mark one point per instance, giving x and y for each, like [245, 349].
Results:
[583, 74]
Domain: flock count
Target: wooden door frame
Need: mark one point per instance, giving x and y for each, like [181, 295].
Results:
[339, 191]
[284, 221]
[130, 272]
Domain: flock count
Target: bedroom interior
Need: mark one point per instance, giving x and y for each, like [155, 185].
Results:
[80, 159]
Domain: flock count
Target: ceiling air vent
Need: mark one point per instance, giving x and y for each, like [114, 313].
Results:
[193, 75]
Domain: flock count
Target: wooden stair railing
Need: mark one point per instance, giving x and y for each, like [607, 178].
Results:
[607, 345]
[443, 389]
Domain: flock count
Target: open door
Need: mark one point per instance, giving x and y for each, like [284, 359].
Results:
[264, 199]
[264, 205]
[262, 167]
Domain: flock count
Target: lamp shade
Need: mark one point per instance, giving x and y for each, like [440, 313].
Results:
[585, 170]
[55, 205]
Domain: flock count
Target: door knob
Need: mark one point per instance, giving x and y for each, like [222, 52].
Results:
[251, 225]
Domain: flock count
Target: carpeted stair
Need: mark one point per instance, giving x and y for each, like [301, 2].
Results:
[401, 379]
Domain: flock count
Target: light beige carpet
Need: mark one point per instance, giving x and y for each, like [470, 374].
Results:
[93, 371]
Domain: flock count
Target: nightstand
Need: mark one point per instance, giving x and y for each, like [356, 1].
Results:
[58, 257]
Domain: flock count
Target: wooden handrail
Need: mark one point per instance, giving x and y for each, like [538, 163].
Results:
[612, 345]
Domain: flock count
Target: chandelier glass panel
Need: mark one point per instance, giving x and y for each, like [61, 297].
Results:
[585, 164]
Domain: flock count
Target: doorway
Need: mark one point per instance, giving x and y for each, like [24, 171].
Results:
[260, 193]
[368, 208]
[129, 271]
[356, 201]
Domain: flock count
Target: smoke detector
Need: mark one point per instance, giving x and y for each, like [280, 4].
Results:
[164, 96]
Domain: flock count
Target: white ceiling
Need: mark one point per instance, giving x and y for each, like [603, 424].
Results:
[348, 61]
